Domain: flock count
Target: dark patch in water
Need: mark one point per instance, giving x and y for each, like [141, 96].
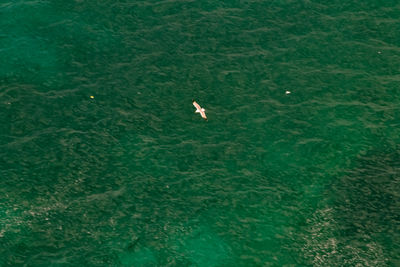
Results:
[367, 206]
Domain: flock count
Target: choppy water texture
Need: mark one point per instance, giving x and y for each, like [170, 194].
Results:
[133, 177]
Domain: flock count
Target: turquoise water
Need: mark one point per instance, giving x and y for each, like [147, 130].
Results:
[133, 177]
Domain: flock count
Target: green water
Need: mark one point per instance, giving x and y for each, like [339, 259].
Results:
[133, 177]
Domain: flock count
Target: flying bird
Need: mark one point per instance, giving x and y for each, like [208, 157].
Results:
[200, 110]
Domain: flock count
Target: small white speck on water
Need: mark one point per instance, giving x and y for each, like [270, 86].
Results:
[379, 52]
[287, 92]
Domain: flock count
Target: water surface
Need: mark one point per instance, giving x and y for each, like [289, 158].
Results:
[133, 177]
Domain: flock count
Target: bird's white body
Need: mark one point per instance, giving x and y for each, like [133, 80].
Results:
[200, 110]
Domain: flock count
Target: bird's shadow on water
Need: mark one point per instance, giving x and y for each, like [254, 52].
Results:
[133, 244]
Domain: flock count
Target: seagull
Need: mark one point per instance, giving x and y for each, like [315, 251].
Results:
[200, 110]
